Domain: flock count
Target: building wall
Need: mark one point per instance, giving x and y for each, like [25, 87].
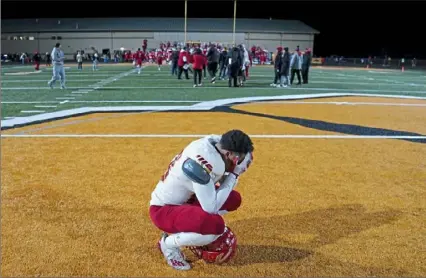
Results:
[73, 41]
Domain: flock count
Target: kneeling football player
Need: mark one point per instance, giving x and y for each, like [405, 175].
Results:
[188, 207]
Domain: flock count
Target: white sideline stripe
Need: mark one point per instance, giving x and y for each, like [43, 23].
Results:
[107, 101]
[342, 103]
[268, 136]
[42, 80]
[65, 98]
[32, 111]
[45, 106]
[331, 90]
[203, 106]
[260, 103]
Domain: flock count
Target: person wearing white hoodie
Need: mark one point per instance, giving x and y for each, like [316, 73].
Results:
[79, 58]
[296, 66]
[58, 58]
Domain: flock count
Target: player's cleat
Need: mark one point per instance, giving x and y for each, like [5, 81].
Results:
[50, 85]
[63, 87]
[174, 256]
[195, 86]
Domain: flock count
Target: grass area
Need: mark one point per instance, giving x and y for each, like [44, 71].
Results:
[108, 84]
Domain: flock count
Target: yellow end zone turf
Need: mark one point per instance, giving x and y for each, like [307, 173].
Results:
[399, 118]
[79, 207]
[311, 207]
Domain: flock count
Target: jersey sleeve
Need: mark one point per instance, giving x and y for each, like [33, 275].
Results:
[204, 168]
[212, 199]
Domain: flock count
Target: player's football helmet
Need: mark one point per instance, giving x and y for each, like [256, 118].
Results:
[220, 251]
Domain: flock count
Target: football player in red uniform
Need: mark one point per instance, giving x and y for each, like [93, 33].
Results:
[159, 58]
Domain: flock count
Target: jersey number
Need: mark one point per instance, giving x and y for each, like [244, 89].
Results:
[172, 163]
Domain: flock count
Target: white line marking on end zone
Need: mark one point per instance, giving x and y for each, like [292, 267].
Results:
[270, 136]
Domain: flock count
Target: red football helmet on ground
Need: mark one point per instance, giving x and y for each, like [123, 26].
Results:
[220, 251]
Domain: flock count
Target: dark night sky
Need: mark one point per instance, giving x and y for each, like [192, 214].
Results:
[347, 28]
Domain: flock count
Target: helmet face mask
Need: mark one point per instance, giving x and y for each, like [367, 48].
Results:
[221, 251]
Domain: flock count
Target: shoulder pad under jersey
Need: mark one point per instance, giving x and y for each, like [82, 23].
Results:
[204, 152]
[195, 172]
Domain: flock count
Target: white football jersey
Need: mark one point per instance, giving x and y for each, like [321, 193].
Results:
[175, 188]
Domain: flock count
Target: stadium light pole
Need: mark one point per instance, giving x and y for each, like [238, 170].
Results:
[235, 16]
[186, 13]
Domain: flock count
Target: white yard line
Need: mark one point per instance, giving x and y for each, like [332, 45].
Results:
[114, 78]
[268, 136]
[100, 84]
[105, 101]
[190, 101]
[33, 111]
[45, 106]
[43, 80]
[334, 90]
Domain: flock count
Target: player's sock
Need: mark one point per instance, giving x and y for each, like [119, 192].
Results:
[189, 239]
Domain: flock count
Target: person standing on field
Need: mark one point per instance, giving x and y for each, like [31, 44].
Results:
[79, 61]
[58, 59]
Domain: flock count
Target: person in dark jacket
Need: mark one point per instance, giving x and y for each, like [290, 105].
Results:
[174, 59]
[212, 62]
[277, 66]
[48, 60]
[37, 60]
[285, 68]
[306, 64]
[223, 59]
[235, 61]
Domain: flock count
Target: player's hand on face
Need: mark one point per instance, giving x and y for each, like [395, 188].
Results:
[243, 165]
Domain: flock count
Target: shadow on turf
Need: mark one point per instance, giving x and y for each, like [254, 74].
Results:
[299, 234]
[333, 127]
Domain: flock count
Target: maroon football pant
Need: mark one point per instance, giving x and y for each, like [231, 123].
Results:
[191, 218]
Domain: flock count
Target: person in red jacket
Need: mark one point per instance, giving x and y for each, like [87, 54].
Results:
[199, 62]
[183, 63]
[159, 58]
[145, 45]
[140, 56]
